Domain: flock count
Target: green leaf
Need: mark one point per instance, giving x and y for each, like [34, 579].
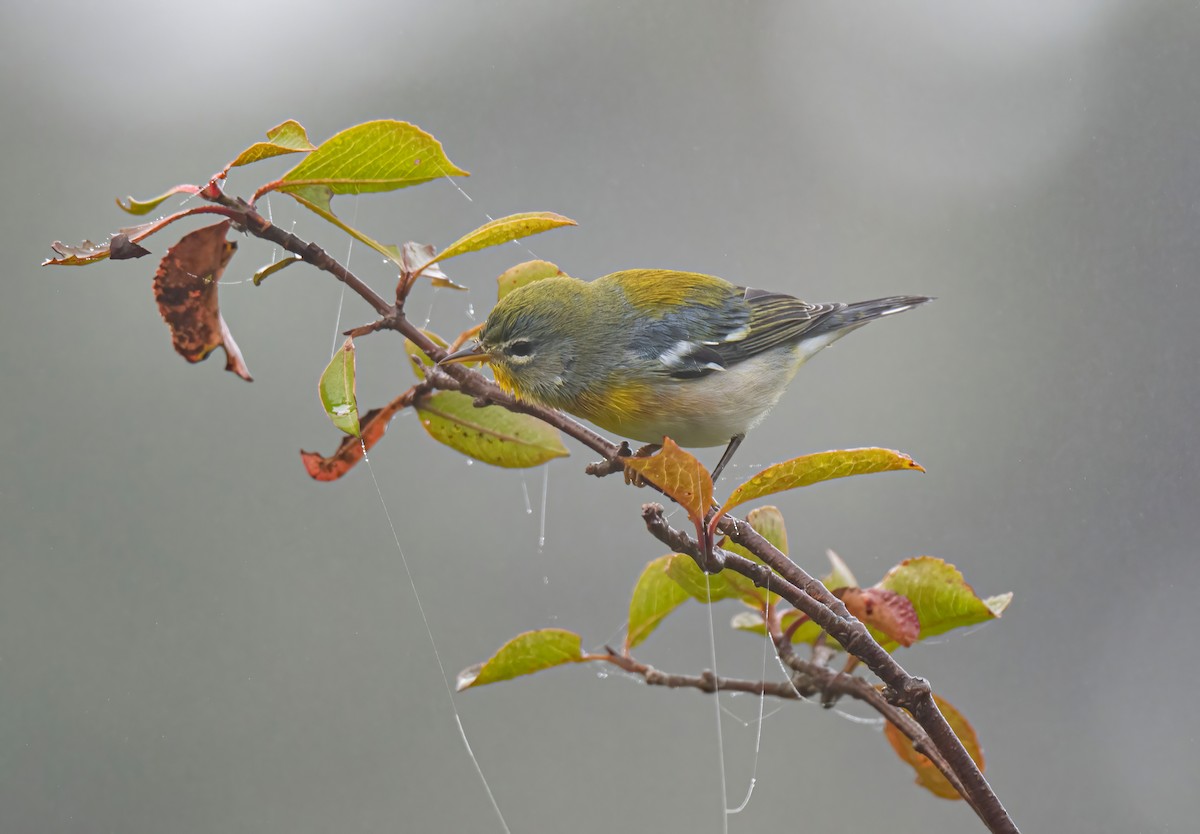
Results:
[654, 597]
[503, 230]
[518, 276]
[133, 206]
[337, 390]
[285, 138]
[822, 466]
[490, 434]
[684, 571]
[525, 654]
[941, 596]
[768, 523]
[270, 269]
[371, 157]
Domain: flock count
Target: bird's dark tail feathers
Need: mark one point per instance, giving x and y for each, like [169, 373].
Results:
[853, 316]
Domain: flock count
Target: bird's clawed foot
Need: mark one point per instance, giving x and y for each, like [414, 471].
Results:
[646, 451]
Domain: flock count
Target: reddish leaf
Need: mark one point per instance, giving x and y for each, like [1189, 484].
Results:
[185, 287]
[928, 776]
[372, 425]
[886, 611]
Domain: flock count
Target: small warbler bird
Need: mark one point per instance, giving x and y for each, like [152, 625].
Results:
[654, 353]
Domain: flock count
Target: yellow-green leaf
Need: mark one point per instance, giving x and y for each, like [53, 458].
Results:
[822, 466]
[270, 269]
[415, 353]
[337, 390]
[940, 595]
[702, 587]
[768, 523]
[133, 206]
[928, 776]
[654, 597]
[490, 434]
[525, 654]
[524, 273]
[316, 198]
[680, 476]
[504, 230]
[287, 137]
[375, 156]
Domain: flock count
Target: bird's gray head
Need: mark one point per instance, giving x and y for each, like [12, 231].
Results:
[532, 338]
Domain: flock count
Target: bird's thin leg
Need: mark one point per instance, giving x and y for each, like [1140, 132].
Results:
[734, 442]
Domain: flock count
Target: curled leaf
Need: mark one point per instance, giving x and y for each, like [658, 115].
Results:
[89, 253]
[185, 287]
[373, 425]
[337, 390]
[121, 248]
[490, 434]
[889, 613]
[270, 269]
[418, 259]
[928, 776]
[525, 654]
[822, 466]
[133, 206]
[287, 137]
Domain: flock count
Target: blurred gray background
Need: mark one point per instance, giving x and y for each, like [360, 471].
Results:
[195, 637]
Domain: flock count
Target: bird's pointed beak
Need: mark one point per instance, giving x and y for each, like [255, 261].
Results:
[469, 353]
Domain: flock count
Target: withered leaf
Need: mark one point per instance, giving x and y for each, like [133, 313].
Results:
[121, 248]
[185, 287]
[886, 611]
[372, 426]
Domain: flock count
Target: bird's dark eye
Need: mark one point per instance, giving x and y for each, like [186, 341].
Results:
[519, 348]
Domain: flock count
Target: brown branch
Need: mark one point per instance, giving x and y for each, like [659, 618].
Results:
[833, 685]
[706, 681]
[812, 598]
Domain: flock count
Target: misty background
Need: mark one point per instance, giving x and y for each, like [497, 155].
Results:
[195, 637]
